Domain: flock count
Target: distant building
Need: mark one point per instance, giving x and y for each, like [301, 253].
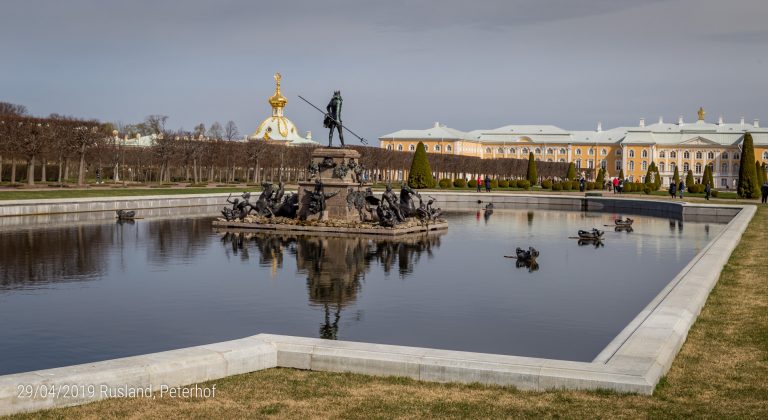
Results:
[687, 146]
[278, 128]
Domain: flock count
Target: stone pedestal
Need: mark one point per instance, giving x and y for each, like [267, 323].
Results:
[331, 163]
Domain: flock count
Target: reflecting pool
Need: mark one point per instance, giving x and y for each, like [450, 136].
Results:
[93, 289]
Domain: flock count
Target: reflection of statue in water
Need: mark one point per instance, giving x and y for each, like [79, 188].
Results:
[333, 118]
[335, 266]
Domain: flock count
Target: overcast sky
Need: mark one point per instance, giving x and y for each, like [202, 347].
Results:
[399, 64]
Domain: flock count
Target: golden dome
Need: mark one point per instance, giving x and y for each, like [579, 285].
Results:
[277, 100]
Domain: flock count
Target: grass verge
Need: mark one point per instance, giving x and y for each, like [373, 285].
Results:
[719, 373]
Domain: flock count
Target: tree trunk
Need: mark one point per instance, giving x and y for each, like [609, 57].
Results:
[1, 168]
[13, 170]
[43, 174]
[31, 171]
[66, 169]
[81, 170]
[61, 162]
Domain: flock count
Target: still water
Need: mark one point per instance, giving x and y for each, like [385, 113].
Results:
[90, 289]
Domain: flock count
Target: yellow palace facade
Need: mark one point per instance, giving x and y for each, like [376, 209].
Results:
[631, 149]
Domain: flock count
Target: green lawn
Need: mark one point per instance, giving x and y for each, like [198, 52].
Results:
[720, 372]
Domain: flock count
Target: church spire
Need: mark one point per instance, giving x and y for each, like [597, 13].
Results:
[277, 100]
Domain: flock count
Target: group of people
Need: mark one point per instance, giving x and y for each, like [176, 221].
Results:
[481, 182]
[617, 186]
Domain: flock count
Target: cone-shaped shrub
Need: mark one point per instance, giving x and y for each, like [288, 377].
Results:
[571, 171]
[532, 177]
[689, 180]
[600, 177]
[748, 186]
[420, 175]
[676, 176]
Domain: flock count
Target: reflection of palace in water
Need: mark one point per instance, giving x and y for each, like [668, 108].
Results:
[335, 266]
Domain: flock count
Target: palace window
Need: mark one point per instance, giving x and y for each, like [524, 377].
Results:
[448, 148]
[604, 164]
[603, 152]
[673, 154]
[661, 167]
[645, 153]
[550, 151]
[631, 165]
[537, 151]
[562, 151]
[735, 168]
[686, 167]
[487, 150]
[512, 150]
[711, 155]
[724, 182]
[590, 164]
[411, 148]
[437, 147]
[725, 155]
[736, 156]
[578, 163]
[671, 166]
[618, 165]
[698, 168]
[562, 160]
[662, 154]
[765, 155]
[389, 147]
[644, 166]
[698, 155]
[501, 150]
[525, 150]
[549, 160]
[578, 152]
[618, 152]
[686, 155]
[400, 147]
[631, 153]
[591, 151]
[724, 168]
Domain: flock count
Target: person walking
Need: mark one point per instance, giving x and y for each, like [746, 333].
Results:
[615, 185]
[707, 191]
[672, 189]
[764, 192]
[487, 183]
[479, 183]
[681, 189]
[621, 186]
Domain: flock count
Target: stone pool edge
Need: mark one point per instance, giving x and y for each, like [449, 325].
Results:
[634, 362]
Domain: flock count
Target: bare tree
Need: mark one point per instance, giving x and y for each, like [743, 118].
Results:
[215, 132]
[230, 131]
[155, 123]
[7, 108]
[199, 131]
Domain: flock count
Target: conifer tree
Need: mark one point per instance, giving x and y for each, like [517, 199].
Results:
[760, 172]
[676, 176]
[600, 177]
[571, 172]
[763, 173]
[621, 174]
[420, 175]
[689, 180]
[748, 186]
[532, 177]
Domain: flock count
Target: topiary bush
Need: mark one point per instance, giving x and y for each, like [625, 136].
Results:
[524, 184]
[546, 184]
[749, 184]
[565, 185]
[647, 189]
[628, 187]
[715, 193]
[420, 175]
[591, 185]
[574, 185]
[445, 183]
[494, 183]
[504, 183]
[472, 183]
[460, 183]
[557, 186]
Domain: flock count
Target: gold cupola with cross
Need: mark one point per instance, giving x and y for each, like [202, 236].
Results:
[277, 127]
